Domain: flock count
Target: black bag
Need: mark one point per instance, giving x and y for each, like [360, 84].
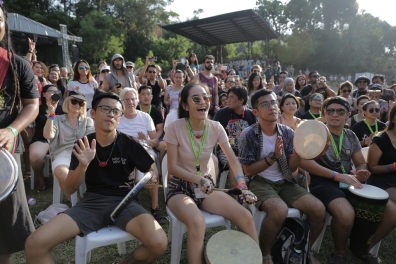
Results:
[291, 245]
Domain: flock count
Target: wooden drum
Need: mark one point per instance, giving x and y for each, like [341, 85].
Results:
[232, 247]
[8, 174]
[311, 139]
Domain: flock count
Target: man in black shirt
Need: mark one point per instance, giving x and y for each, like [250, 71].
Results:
[361, 83]
[105, 159]
[315, 86]
[315, 103]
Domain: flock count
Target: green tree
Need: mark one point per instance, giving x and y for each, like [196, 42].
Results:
[273, 11]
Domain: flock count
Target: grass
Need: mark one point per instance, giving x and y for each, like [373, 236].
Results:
[64, 253]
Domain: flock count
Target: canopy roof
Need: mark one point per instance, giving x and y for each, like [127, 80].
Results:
[240, 26]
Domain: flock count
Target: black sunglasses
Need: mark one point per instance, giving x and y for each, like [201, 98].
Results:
[346, 91]
[74, 102]
[129, 67]
[374, 109]
[107, 71]
[339, 111]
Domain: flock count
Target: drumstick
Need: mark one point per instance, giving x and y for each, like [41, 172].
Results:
[235, 191]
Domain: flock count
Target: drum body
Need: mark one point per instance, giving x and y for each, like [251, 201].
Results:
[8, 174]
[311, 139]
[369, 204]
[232, 247]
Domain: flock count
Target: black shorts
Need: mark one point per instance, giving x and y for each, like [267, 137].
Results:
[93, 212]
[327, 192]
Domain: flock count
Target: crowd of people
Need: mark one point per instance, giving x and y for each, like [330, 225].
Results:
[99, 128]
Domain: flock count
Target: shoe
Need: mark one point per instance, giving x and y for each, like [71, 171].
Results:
[337, 258]
[158, 217]
[366, 258]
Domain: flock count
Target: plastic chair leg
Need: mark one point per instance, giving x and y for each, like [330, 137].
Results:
[177, 240]
[80, 255]
[223, 179]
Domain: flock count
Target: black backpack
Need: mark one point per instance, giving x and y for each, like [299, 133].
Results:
[291, 245]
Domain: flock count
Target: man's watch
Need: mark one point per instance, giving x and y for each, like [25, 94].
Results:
[272, 156]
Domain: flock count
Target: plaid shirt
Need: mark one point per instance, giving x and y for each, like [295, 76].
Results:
[250, 151]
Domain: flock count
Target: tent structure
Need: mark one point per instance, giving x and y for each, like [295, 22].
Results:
[240, 26]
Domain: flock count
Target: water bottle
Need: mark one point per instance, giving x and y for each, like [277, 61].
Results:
[31, 200]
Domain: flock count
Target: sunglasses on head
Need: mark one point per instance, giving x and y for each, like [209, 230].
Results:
[346, 91]
[197, 99]
[83, 67]
[339, 111]
[371, 110]
[74, 102]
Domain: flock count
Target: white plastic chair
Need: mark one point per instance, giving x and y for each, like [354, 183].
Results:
[46, 171]
[103, 237]
[223, 179]
[177, 228]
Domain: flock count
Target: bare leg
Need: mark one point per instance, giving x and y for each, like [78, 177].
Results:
[152, 236]
[38, 151]
[161, 148]
[61, 172]
[38, 245]
[154, 190]
[185, 209]
[392, 194]
[387, 224]
[5, 259]
[276, 210]
[27, 136]
[341, 224]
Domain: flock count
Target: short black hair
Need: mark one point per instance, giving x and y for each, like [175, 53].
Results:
[239, 91]
[284, 72]
[257, 95]
[313, 72]
[150, 66]
[144, 87]
[99, 95]
[378, 76]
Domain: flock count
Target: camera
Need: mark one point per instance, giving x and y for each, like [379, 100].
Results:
[55, 97]
[153, 58]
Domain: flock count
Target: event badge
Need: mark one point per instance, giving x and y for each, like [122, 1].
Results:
[199, 193]
[232, 141]
[344, 185]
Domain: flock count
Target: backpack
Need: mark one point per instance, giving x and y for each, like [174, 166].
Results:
[291, 245]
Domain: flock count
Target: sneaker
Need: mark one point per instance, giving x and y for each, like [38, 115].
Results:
[367, 258]
[158, 217]
[337, 258]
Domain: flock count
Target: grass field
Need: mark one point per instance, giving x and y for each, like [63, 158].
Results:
[64, 253]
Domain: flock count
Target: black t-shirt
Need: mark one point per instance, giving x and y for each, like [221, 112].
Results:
[28, 90]
[296, 94]
[358, 93]
[362, 131]
[307, 115]
[308, 88]
[156, 91]
[234, 124]
[114, 179]
[41, 119]
[155, 114]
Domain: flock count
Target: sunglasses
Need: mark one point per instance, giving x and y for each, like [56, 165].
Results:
[197, 99]
[83, 68]
[371, 110]
[129, 67]
[74, 102]
[152, 72]
[362, 82]
[339, 111]
[105, 71]
[346, 91]
[315, 76]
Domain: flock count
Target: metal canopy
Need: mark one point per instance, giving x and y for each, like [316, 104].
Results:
[240, 26]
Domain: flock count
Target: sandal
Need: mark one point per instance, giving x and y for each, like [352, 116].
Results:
[268, 258]
[159, 218]
[42, 188]
[26, 175]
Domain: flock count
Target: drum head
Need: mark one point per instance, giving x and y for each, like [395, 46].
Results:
[8, 174]
[311, 139]
[370, 192]
[232, 247]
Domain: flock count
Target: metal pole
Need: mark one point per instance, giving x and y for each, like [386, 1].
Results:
[65, 45]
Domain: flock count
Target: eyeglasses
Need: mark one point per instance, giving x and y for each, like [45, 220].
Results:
[133, 99]
[105, 71]
[129, 67]
[152, 72]
[107, 110]
[346, 91]
[74, 102]
[230, 82]
[339, 111]
[83, 68]
[266, 104]
[371, 110]
[197, 99]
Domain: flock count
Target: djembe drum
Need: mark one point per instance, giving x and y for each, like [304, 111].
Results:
[8, 174]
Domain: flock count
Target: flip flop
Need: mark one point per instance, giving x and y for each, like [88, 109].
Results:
[42, 188]
[26, 175]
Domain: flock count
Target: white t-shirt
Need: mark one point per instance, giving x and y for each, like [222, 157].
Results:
[88, 89]
[141, 123]
[273, 173]
[172, 116]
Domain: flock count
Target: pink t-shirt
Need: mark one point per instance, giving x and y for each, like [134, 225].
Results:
[177, 134]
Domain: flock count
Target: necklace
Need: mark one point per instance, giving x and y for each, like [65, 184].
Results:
[103, 164]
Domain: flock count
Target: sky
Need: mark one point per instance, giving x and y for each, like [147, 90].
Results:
[185, 8]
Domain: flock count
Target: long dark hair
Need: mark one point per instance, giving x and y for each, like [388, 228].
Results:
[391, 118]
[190, 62]
[250, 82]
[7, 45]
[77, 75]
[297, 85]
[184, 95]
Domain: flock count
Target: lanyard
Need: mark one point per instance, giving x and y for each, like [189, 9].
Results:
[314, 117]
[337, 152]
[149, 111]
[201, 147]
[369, 127]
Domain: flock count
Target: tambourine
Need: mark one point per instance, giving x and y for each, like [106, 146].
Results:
[311, 139]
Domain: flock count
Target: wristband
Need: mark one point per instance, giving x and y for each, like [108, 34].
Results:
[389, 168]
[239, 177]
[392, 166]
[13, 130]
[266, 161]
[51, 118]
[336, 177]
[52, 114]
[242, 185]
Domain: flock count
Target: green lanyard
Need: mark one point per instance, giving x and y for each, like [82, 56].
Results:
[369, 127]
[337, 152]
[201, 147]
[314, 117]
[149, 111]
